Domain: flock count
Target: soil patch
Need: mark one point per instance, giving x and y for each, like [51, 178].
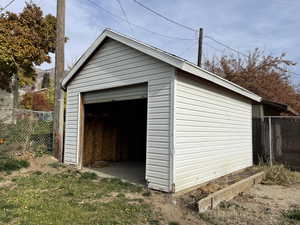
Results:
[262, 204]
[190, 199]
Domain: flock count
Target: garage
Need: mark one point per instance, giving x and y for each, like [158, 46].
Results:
[144, 115]
[115, 122]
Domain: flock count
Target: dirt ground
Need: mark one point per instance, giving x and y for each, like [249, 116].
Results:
[262, 204]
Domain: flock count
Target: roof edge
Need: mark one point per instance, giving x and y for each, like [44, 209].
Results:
[161, 55]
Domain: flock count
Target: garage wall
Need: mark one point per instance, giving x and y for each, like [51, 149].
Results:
[213, 132]
[115, 65]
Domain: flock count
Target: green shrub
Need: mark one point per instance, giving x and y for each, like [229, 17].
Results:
[173, 223]
[8, 164]
[89, 175]
[38, 173]
[292, 214]
[56, 165]
[121, 195]
[154, 222]
[40, 151]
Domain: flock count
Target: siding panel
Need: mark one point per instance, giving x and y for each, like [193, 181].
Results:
[213, 132]
[116, 65]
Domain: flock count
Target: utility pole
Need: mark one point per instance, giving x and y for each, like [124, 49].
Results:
[58, 117]
[200, 44]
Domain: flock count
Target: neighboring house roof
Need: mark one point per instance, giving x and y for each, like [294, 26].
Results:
[166, 57]
[280, 107]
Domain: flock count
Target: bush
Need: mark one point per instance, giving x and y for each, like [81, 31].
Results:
[173, 223]
[89, 176]
[279, 174]
[8, 164]
[292, 214]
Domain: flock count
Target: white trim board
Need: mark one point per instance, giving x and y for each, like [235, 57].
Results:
[168, 58]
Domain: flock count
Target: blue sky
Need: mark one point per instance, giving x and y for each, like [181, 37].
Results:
[272, 25]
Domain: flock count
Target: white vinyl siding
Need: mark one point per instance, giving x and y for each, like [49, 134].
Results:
[213, 132]
[116, 65]
[116, 94]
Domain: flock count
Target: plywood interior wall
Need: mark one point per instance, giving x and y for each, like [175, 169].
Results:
[115, 132]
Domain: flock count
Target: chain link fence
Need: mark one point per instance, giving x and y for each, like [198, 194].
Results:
[31, 130]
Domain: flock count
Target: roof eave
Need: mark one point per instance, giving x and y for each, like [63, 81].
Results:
[160, 55]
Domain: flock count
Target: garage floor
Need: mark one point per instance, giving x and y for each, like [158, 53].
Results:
[133, 172]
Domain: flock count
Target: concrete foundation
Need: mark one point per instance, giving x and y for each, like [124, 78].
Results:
[133, 172]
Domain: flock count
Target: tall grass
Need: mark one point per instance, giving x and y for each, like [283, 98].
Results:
[280, 175]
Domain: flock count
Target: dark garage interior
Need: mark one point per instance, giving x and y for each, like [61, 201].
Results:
[115, 138]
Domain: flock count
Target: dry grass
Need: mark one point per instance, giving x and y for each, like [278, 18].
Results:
[280, 175]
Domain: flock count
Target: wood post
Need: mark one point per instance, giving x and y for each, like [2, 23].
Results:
[81, 130]
[270, 141]
[200, 46]
[58, 117]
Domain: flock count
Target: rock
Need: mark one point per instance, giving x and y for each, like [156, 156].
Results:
[210, 188]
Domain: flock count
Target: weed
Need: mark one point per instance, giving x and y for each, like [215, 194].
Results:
[147, 194]
[206, 217]
[69, 194]
[89, 175]
[173, 223]
[292, 214]
[56, 165]
[41, 199]
[120, 195]
[7, 211]
[40, 151]
[116, 184]
[140, 200]
[227, 205]
[279, 174]
[99, 195]
[38, 173]
[8, 164]
[153, 222]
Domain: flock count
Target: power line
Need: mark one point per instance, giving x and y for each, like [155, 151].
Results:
[125, 15]
[174, 22]
[187, 27]
[165, 17]
[226, 46]
[138, 26]
[7, 5]
[219, 50]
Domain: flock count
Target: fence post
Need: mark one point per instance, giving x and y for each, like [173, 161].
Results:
[270, 141]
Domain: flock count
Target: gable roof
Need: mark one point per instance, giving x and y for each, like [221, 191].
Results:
[166, 57]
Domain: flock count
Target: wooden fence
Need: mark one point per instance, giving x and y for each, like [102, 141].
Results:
[284, 135]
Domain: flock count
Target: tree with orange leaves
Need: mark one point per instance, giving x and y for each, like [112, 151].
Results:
[265, 75]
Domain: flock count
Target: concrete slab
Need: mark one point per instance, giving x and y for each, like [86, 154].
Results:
[133, 172]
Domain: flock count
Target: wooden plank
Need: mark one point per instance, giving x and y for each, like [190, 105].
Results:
[81, 129]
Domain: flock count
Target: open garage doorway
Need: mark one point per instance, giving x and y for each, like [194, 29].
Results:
[115, 139]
